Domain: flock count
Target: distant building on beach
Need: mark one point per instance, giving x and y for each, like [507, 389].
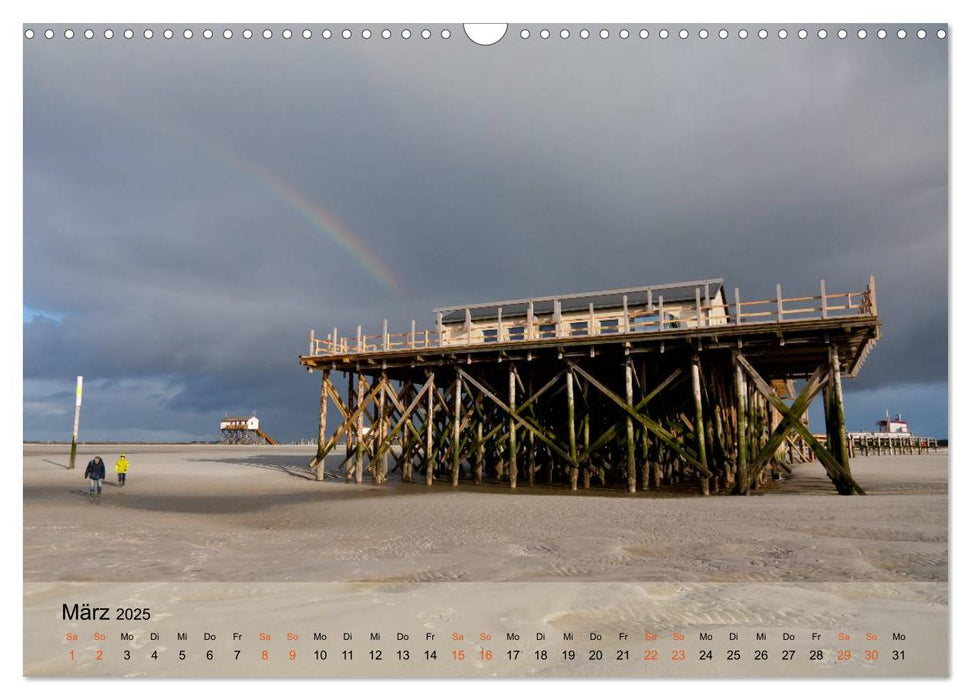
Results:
[239, 423]
[243, 430]
[893, 425]
[893, 437]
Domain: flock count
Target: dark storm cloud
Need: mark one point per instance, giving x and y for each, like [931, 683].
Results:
[163, 182]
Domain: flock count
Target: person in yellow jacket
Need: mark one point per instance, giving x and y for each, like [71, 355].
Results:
[121, 468]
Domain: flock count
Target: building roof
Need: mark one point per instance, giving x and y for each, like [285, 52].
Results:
[677, 292]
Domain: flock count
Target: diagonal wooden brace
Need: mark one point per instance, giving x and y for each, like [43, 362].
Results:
[838, 475]
[352, 418]
[780, 434]
[654, 427]
[528, 425]
[338, 401]
[611, 432]
[403, 418]
[532, 399]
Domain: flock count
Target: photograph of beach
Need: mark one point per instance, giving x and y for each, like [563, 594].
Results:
[550, 331]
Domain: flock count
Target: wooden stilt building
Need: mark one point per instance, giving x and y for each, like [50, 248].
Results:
[637, 388]
[243, 430]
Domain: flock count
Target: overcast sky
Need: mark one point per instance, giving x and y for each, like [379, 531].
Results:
[193, 208]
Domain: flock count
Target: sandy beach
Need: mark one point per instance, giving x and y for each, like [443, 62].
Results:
[237, 540]
[244, 513]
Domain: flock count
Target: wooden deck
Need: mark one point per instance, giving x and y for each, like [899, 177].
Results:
[790, 333]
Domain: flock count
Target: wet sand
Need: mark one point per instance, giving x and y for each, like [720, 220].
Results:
[244, 513]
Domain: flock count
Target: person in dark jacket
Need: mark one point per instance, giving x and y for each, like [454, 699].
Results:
[95, 472]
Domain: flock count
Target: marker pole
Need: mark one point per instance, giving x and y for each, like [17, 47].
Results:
[77, 419]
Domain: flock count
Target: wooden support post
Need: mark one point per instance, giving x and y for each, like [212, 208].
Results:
[407, 442]
[349, 445]
[479, 446]
[531, 456]
[699, 426]
[530, 438]
[440, 327]
[738, 308]
[698, 307]
[778, 303]
[645, 461]
[360, 340]
[755, 428]
[429, 425]
[588, 461]
[828, 418]
[839, 424]
[574, 467]
[322, 427]
[359, 448]
[456, 430]
[384, 335]
[631, 464]
[313, 347]
[513, 470]
[591, 330]
[657, 473]
[774, 420]
[626, 326]
[741, 461]
[660, 313]
[718, 428]
[411, 336]
[644, 436]
[381, 468]
[822, 299]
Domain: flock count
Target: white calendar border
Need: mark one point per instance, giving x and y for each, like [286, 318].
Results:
[437, 11]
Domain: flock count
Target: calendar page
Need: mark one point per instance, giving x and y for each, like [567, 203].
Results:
[538, 350]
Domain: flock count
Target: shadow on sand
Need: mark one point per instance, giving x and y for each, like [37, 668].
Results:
[202, 504]
[294, 465]
[298, 466]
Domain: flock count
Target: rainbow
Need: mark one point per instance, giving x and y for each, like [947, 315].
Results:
[323, 221]
[319, 218]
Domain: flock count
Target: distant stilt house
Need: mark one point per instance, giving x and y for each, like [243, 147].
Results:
[893, 437]
[893, 425]
[677, 385]
[243, 430]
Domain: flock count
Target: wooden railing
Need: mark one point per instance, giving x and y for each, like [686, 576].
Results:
[633, 319]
